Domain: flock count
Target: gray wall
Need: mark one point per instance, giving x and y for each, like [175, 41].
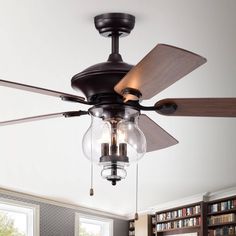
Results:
[60, 221]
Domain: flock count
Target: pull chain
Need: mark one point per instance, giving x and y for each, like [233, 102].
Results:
[91, 191]
[136, 194]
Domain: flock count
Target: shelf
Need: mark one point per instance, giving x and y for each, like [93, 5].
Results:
[179, 208]
[169, 230]
[179, 218]
[222, 200]
[222, 224]
[222, 212]
[200, 207]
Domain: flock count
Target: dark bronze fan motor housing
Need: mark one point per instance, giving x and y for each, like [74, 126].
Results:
[98, 81]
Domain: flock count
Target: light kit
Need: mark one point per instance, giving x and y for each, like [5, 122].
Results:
[114, 140]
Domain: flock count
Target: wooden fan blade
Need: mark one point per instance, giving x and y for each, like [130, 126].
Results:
[29, 88]
[43, 117]
[211, 107]
[157, 138]
[159, 69]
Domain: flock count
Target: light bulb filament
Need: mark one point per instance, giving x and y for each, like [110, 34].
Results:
[114, 147]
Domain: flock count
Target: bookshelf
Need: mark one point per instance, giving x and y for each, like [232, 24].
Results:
[131, 227]
[212, 218]
[221, 217]
[183, 219]
[151, 225]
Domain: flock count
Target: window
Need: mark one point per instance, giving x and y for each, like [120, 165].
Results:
[18, 219]
[87, 225]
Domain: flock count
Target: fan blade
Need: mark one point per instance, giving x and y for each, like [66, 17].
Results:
[157, 138]
[159, 69]
[29, 88]
[43, 117]
[211, 107]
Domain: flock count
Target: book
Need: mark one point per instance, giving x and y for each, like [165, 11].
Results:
[225, 218]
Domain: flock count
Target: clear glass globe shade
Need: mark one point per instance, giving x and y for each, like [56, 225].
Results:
[98, 133]
[129, 132]
[125, 133]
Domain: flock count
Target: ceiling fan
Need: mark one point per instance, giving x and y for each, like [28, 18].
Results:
[119, 133]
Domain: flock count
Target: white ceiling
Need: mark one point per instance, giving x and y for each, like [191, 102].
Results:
[46, 42]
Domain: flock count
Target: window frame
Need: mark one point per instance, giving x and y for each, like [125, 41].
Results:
[92, 217]
[35, 210]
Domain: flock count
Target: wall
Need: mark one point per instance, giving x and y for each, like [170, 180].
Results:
[60, 221]
[141, 226]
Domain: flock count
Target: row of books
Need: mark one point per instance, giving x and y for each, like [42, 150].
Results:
[222, 206]
[179, 213]
[179, 224]
[226, 218]
[154, 220]
[229, 230]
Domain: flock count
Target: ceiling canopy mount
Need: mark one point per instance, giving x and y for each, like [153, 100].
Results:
[109, 24]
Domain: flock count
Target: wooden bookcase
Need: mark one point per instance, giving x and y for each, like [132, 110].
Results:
[213, 218]
[151, 225]
[221, 217]
[131, 227]
[183, 219]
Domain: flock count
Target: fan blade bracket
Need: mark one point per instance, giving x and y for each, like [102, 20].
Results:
[74, 99]
[166, 108]
[131, 94]
[74, 113]
[199, 107]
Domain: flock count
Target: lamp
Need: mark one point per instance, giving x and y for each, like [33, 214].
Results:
[114, 140]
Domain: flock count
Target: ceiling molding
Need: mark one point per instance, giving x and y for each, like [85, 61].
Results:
[188, 200]
[222, 194]
[172, 204]
[61, 204]
[183, 201]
